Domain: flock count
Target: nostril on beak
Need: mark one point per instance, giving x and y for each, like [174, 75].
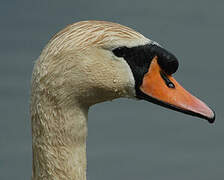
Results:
[166, 80]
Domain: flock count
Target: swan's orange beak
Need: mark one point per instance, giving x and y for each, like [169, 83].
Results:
[164, 90]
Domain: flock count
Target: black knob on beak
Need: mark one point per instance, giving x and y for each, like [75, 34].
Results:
[166, 60]
[168, 63]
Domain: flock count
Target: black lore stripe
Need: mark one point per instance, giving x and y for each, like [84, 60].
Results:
[139, 59]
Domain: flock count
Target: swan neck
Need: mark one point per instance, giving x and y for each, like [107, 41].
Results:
[58, 141]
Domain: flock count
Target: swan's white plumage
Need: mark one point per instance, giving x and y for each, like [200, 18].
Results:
[102, 34]
[75, 70]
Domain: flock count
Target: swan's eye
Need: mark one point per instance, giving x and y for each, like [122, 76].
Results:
[138, 58]
[121, 51]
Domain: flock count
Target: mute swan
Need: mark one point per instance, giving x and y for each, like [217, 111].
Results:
[87, 63]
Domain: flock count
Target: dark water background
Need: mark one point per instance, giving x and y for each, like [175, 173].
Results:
[127, 139]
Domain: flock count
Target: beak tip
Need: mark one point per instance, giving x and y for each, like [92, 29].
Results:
[212, 119]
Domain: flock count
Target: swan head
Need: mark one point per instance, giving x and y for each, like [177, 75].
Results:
[94, 61]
